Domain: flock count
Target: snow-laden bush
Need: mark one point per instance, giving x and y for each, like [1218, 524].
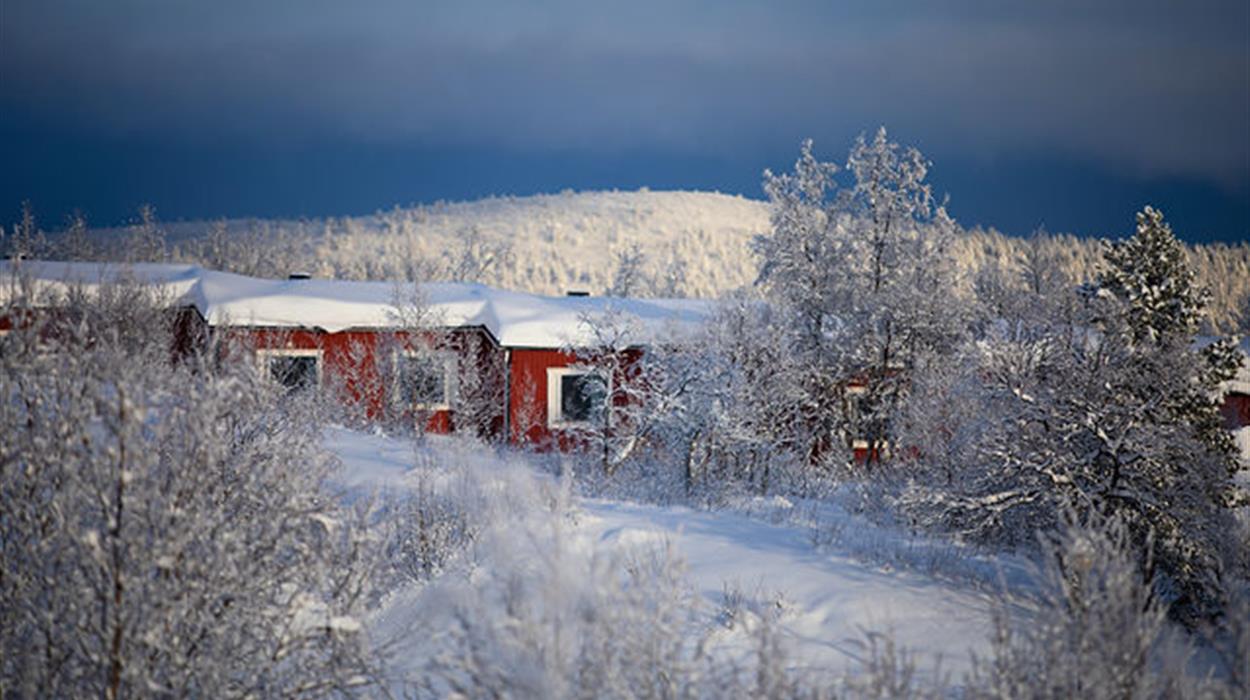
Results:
[1100, 631]
[545, 616]
[163, 529]
[427, 529]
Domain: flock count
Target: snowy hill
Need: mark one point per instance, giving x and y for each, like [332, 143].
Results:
[694, 244]
[557, 242]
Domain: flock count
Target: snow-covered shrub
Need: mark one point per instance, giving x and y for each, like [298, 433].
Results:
[426, 529]
[163, 530]
[891, 672]
[721, 421]
[1230, 639]
[1099, 631]
[550, 618]
[546, 620]
[619, 396]
[1073, 424]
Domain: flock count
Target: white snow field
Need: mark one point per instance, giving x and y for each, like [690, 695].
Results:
[826, 600]
[738, 569]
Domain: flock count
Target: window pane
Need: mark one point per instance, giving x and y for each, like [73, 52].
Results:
[422, 381]
[581, 396]
[296, 373]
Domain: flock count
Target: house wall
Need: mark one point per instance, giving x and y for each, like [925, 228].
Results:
[355, 364]
[527, 397]
[1236, 410]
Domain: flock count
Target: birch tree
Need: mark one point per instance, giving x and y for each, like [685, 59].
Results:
[866, 273]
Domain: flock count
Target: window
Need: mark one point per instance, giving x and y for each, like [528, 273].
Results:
[297, 370]
[574, 396]
[424, 380]
[863, 418]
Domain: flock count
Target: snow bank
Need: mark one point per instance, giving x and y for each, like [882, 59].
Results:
[558, 564]
[825, 601]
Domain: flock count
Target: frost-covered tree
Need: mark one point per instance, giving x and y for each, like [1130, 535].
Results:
[1111, 413]
[145, 239]
[26, 239]
[1150, 272]
[1024, 290]
[75, 242]
[629, 280]
[716, 412]
[866, 275]
[478, 258]
[164, 529]
[217, 249]
[1163, 305]
[613, 390]
[477, 399]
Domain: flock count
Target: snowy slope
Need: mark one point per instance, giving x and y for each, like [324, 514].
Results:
[559, 241]
[824, 602]
[696, 245]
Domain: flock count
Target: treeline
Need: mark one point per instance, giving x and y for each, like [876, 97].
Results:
[643, 244]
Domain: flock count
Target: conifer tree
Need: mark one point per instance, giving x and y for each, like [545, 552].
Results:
[1163, 305]
[1150, 271]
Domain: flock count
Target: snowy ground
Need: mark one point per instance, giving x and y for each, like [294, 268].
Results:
[827, 600]
[823, 600]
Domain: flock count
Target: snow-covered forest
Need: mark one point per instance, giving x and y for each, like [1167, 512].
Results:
[901, 459]
[688, 244]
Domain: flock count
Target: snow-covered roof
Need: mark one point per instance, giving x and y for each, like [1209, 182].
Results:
[516, 319]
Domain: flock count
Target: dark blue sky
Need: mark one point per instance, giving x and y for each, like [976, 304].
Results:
[1068, 114]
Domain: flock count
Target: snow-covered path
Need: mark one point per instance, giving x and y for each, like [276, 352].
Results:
[828, 601]
[825, 602]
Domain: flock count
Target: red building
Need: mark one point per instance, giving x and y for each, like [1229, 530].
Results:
[448, 357]
[1236, 402]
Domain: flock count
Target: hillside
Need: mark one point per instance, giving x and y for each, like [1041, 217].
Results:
[545, 244]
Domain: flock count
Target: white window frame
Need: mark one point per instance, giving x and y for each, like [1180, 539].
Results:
[449, 361]
[263, 355]
[555, 396]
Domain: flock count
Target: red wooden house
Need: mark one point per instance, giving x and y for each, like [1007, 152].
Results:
[449, 356]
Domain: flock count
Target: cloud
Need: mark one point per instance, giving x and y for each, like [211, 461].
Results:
[1141, 88]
